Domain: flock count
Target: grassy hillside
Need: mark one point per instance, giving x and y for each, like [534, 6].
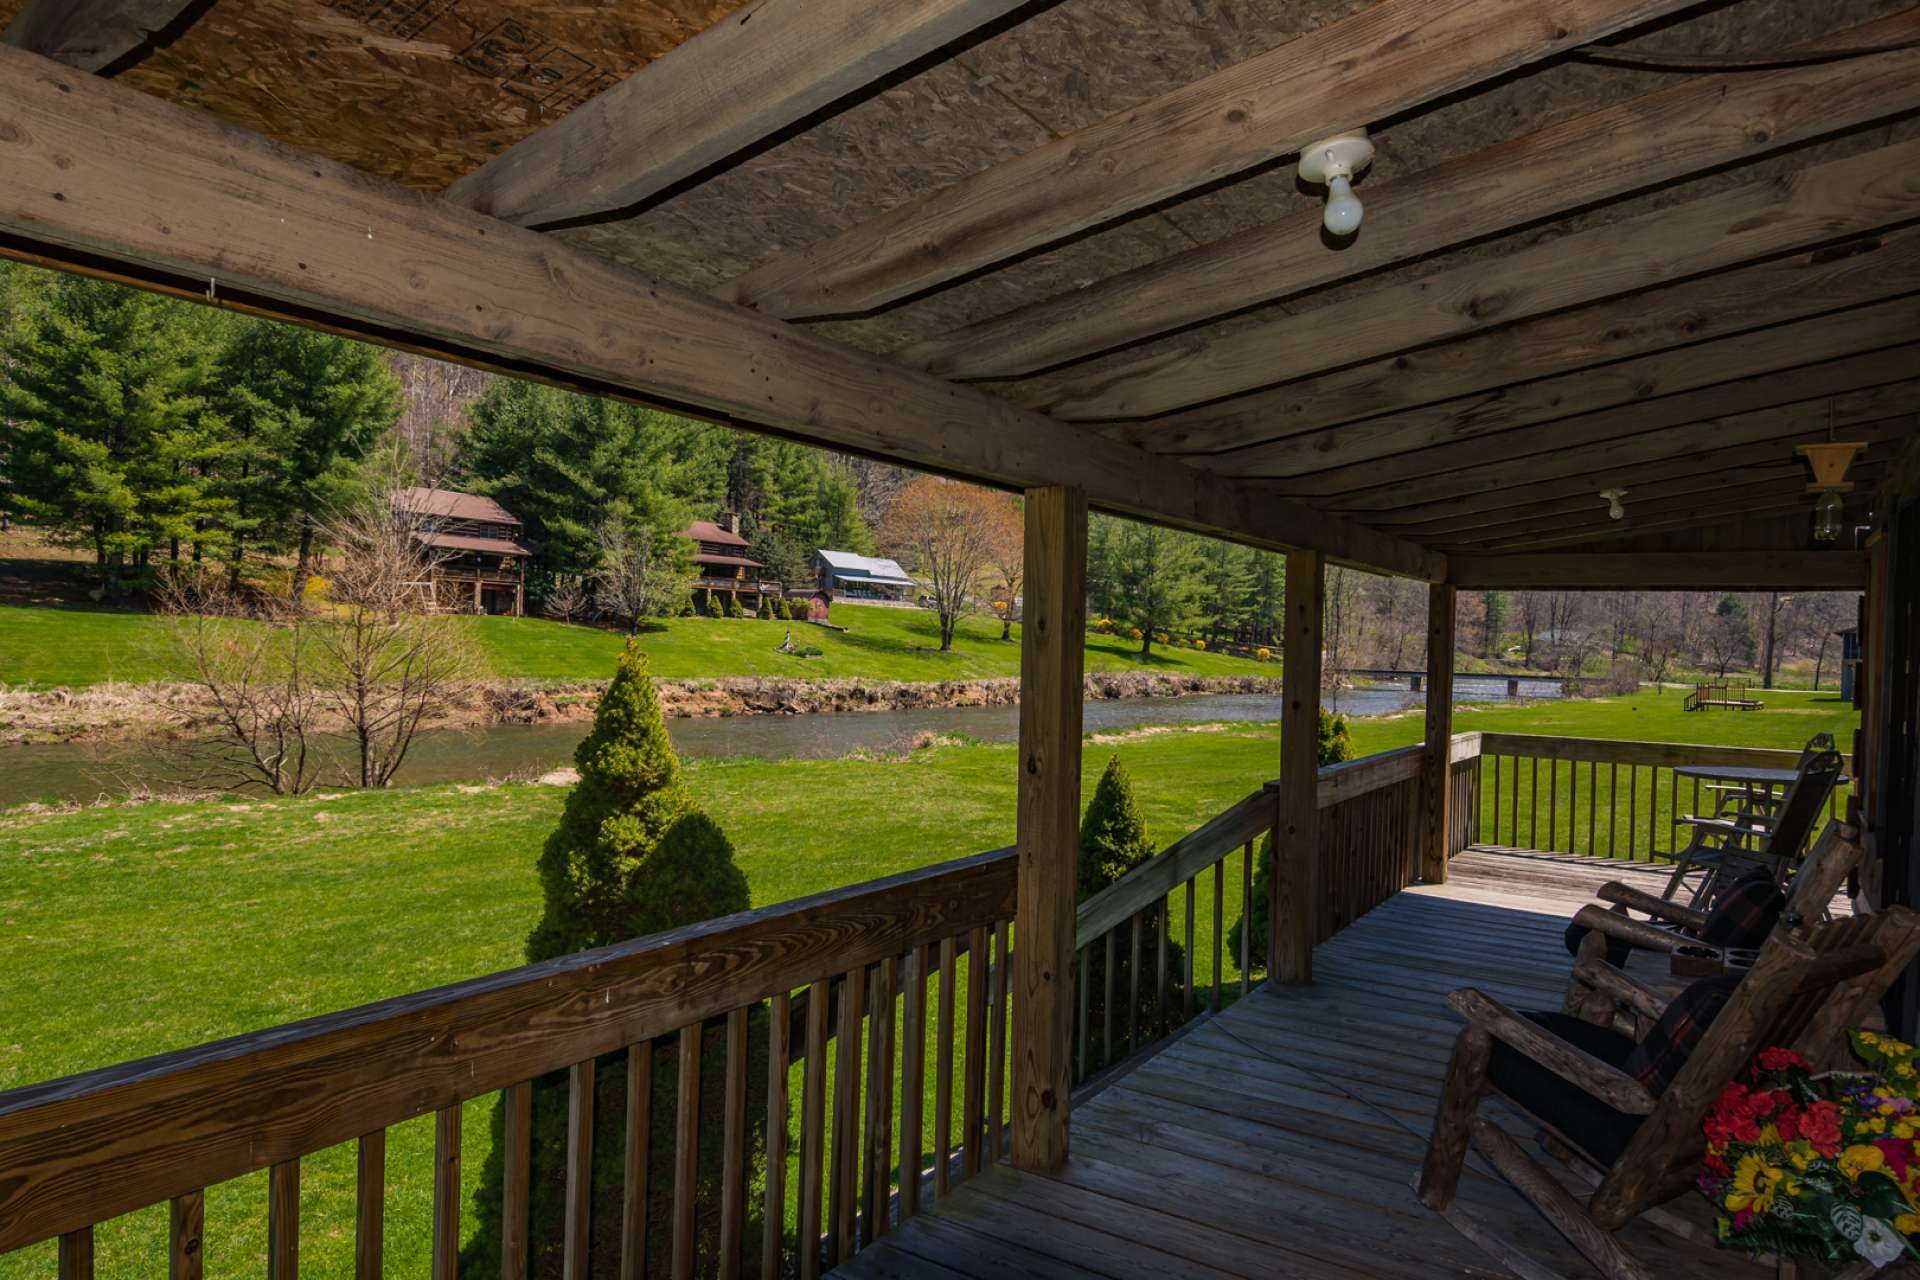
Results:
[44, 646]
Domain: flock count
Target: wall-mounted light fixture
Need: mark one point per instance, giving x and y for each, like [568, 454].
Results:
[1616, 509]
[1334, 161]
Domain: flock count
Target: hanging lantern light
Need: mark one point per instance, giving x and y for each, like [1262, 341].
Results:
[1829, 463]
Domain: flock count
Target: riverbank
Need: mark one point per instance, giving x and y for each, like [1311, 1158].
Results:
[109, 713]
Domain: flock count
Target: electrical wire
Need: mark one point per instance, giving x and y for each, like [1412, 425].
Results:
[1654, 60]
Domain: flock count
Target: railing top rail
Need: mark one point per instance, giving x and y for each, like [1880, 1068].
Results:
[1623, 751]
[89, 1147]
[1187, 856]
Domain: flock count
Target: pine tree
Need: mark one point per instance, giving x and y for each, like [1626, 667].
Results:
[1335, 744]
[1157, 582]
[1113, 841]
[1226, 576]
[632, 855]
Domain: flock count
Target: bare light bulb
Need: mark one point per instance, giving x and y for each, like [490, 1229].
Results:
[1616, 509]
[1342, 217]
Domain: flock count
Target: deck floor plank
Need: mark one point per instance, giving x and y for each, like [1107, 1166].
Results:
[1282, 1136]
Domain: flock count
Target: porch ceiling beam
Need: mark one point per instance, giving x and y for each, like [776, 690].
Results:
[1763, 507]
[1702, 122]
[89, 34]
[1405, 444]
[1869, 269]
[1492, 502]
[282, 232]
[1650, 452]
[1384, 59]
[1590, 523]
[1664, 570]
[756, 71]
[1812, 206]
[1724, 400]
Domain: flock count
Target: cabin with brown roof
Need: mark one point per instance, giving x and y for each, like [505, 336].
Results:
[478, 560]
[721, 562]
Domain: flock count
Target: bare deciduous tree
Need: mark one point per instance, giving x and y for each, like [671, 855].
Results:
[256, 673]
[945, 532]
[567, 600]
[637, 577]
[385, 665]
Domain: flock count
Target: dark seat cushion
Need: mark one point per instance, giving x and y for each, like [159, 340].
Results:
[1657, 1059]
[1745, 913]
[1583, 1120]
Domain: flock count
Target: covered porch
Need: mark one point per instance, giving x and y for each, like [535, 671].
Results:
[1664, 284]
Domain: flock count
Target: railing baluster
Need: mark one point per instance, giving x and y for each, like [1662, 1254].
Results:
[913, 1079]
[971, 1102]
[1533, 808]
[1513, 804]
[779, 1065]
[879, 1103]
[1219, 918]
[844, 1185]
[813, 1107]
[516, 1181]
[733, 1168]
[283, 1223]
[1613, 802]
[636, 1156]
[186, 1220]
[1106, 1005]
[1133, 982]
[446, 1193]
[686, 1161]
[1633, 799]
[997, 1042]
[76, 1254]
[1246, 918]
[943, 1078]
[1653, 812]
[1082, 959]
[579, 1191]
[1165, 926]
[370, 1208]
[1186, 1000]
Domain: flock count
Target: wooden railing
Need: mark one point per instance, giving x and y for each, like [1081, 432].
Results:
[1608, 798]
[1138, 979]
[841, 980]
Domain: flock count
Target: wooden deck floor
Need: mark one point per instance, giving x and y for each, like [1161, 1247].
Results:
[1282, 1137]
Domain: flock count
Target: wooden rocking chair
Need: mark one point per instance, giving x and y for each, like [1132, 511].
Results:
[1804, 991]
[1672, 926]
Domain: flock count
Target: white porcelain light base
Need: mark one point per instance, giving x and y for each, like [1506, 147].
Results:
[1344, 153]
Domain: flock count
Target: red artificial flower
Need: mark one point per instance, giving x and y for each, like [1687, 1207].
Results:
[1820, 1125]
[1899, 1154]
[1741, 1218]
[1780, 1060]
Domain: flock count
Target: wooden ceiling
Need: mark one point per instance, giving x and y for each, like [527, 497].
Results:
[1608, 243]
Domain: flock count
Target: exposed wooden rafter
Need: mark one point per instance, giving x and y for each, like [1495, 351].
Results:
[756, 71]
[1384, 59]
[1685, 474]
[1871, 268]
[1635, 418]
[1706, 121]
[1650, 448]
[1814, 205]
[1397, 444]
[1671, 570]
[225, 211]
[89, 34]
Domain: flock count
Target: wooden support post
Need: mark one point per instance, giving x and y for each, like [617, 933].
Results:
[1294, 905]
[1436, 773]
[1052, 640]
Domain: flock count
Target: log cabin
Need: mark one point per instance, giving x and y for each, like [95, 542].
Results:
[477, 558]
[1614, 264]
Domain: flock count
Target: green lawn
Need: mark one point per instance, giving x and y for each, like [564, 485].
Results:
[134, 930]
[46, 646]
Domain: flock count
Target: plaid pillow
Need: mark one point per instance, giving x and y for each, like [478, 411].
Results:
[1657, 1059]
[1746, 912]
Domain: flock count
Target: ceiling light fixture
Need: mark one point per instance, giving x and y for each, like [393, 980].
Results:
[1334, 161]
[1616, 510]
[1829, 463]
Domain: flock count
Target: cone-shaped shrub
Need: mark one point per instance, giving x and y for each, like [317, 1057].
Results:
[632, 855]
[1113, 841]
[1335, 745]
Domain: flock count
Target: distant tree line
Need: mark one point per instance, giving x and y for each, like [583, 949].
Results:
[1159, 585]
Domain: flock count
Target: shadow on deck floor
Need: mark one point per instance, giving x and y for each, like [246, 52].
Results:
[1281, 1138]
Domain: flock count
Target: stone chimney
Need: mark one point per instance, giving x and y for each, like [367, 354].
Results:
[730, 521]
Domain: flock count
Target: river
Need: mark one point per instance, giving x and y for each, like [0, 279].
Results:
[69, 771]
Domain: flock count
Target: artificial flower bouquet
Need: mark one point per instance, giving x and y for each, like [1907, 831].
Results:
[1820, 1166]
